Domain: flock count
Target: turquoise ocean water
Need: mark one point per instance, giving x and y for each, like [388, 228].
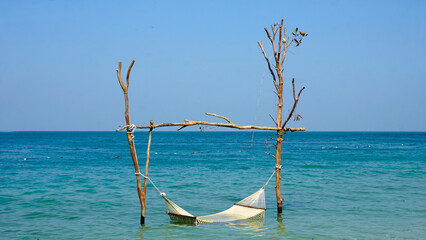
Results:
[337, 185]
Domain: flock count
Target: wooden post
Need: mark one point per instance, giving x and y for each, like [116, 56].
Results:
[148, 149]
[130, 137]
[279, 48]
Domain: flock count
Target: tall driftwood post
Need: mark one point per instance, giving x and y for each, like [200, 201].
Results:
[130, 137]
[148, 149]
[279, 48]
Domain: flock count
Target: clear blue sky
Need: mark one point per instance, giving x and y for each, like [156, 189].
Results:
[363, 63]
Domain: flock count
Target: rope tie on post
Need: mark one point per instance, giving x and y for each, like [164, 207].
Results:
[273, 173]
[131, 129]
[278, 167]
[138, 173]
[162, 194]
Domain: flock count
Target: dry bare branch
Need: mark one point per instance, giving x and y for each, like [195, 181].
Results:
[274, 78]
[273, 119]
[269, 145]
[128, 73]
[182, 128]
[272, 138]
[285, 48]
[188, 123]
[273, 44]
[119, 78]
[294, 107]
[280, 38]
[270, 154]
[215, 115]
[228, 125]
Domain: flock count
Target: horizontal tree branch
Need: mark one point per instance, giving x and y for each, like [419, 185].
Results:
[228, 125]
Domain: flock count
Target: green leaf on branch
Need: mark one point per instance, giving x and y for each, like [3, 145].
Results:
[298, 42]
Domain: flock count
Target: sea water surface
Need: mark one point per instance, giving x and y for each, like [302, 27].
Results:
[336, 185]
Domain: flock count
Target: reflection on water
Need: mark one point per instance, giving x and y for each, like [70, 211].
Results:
[139, 234]
[281, 230]
[249, 227]
[253, 225]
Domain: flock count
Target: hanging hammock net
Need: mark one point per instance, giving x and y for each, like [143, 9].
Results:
[252, 207]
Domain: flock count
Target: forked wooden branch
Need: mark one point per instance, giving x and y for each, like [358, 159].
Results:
[120, 80]
[272, 39]
[296, 100]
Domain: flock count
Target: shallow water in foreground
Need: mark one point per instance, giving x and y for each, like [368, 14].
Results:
[69, 185]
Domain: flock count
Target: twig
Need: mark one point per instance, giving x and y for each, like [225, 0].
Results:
[296, 100]
[280, 38]
[285, 47]
[182, 128]
[273, 43]
[269, 65]
[273, 138]
[273, 119]
[270, 154]
[269, 145]
[128, 73]
[119, 78]
[215, 115]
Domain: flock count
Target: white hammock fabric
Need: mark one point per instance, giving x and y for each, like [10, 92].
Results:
[251, 207]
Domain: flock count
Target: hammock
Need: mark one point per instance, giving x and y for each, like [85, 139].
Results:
[252, 207]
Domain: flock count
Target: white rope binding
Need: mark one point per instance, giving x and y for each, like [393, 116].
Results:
[276, 169]
[131, 129]
[162, 194]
